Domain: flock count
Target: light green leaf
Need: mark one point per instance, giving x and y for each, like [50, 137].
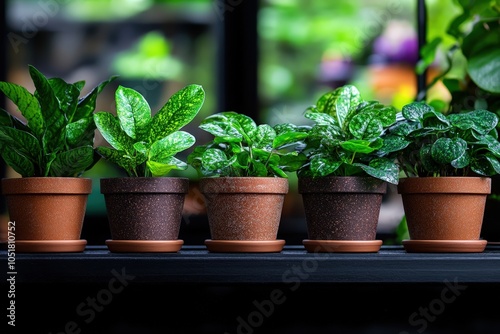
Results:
[180, 109]
[172, 144]
[109, 127]
[133, 112]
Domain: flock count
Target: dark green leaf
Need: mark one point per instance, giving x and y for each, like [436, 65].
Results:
[81, 132]
[445, 150]
[382, 168]
[366, 126]
[21, 141]
[87, 104]
[28, 106]
[264, 136]
[286, 138]
[71, 163]
[19, 163]
[119, 158]
[53, 116]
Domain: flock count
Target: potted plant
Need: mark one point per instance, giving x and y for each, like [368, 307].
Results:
[345, 176]
[144, 208]
[50, 147]
[244, 180]
[448, 161]
[470, 76]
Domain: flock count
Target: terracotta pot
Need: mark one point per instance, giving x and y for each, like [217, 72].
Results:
[445, 208]
[342, 209]
[48, 212]
[491, 229]
[144, 209]
[244, 209]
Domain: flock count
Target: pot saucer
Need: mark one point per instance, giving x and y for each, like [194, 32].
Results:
[444, 246]
[342, 246]
[245, 246]
[50, 246]
[144, 246]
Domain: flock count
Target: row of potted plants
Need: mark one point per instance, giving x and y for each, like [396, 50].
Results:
[344, 161]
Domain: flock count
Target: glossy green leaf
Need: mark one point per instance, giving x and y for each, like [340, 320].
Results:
[160, 169]
[264, 136]
[109, 127]
[18, 162]
[292, 137]
[71, 163]
[220, 126]
[86, 105]
[53, 127]
[340, 102]
[22, 142]
[119, 158]
[80, 133]
[357, 145]
[347, 134]
[323, 165]
[180, 109]
[133, 112]
[240, 147]
[162, 150]
[52, 113]
[215, 159]
[28, 106]
[445, 150]
[382, 168]
[366, 126]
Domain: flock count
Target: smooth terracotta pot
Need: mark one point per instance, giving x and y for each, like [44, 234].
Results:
[244, 209]
[444, 208]
[342, 208]
[48, 212]
[144, 208]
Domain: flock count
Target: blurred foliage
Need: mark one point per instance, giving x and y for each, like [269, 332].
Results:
[151, 58]
[109, 10]
[299, 36]
[470, 64]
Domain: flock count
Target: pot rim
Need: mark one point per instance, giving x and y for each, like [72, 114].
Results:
[130, 184]
[445, 184]
[244, 184]
[46, 184]
[341, 184]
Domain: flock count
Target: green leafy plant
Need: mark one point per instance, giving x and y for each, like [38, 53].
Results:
[346, 137]
[426, 142]
[56, 137]
[471, 72]
[145, 145]
[240, 147]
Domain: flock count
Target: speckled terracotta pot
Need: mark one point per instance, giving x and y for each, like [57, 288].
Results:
[444, 208]
[244, 208]
[47, 209]
[144, 208]
[342, 208]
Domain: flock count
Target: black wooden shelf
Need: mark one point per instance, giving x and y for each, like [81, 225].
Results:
[195, 264]
[100, 292]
